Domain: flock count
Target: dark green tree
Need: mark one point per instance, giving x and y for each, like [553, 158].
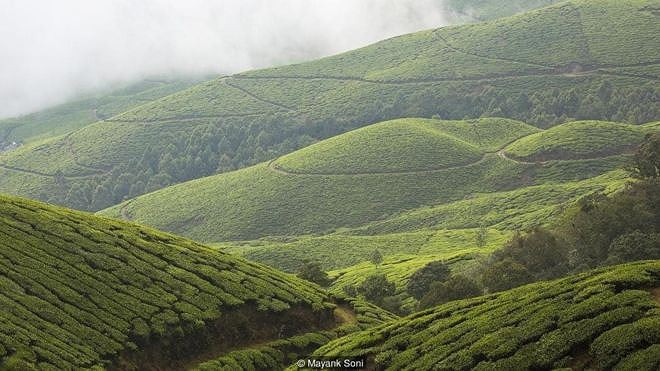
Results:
[376, 257]
[457, 287]
[647, 158]
[420, 281]
[481, 237]
[376, 288]
[311, 271]
[634, 246]
[504, 275]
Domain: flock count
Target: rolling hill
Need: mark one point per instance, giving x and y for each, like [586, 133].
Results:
[61, 119]
[523, 67]
[577, 140]
[377, 174]
[602, 319]
[82, 292]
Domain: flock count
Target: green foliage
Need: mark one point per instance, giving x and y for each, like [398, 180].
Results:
[376, 257]
[558, 64]
[545, 325]
[456, 287]
[634, 246]
[597, 221]
[540, 251]
[647, 158]
[376, 287]
[272, 201]
[577, 140]
[486, 10]
[311, 271]
[420, 281]
[67, 117]
[480, 238]
[504, 275]
[280, 353]
[77, 289]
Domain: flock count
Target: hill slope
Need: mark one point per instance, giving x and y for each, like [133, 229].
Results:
[603, 319]
[58, 120]
[360, 177]
[578, 140]
[522, 67]
[80, 291]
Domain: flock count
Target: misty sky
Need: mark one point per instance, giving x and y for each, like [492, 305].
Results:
[51, 51]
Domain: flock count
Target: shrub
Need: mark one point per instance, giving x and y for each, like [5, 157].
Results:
[420, 282]
[376, 287]
[457, 287]
[504, 275]
[311, 271]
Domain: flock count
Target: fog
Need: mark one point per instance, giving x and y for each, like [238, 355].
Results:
[51, 51]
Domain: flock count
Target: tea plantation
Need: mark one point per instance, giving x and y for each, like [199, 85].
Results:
[602, 319]
[59, 120]
[556, 65]
[81, 292]
[359, 180]
[578, 140]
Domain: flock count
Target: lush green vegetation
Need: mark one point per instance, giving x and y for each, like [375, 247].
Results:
[558, 64]
[67, 117]
[405, 145]
[606, 318]
[342, 250]
[577, 140]
[281, 353]
[268, 200]
[486, 10]
[80, 291]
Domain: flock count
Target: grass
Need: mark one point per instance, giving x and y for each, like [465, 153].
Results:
[80, 291]
[454, 72]
[578, 140]
[267, 200]
[601, 319]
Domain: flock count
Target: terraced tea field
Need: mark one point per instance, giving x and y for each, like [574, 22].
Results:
[605, 319]
[351, 181]
[79, 292]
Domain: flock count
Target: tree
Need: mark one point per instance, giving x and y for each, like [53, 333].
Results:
[634, 246]
[311, 271]
[376, 288]
[420, 281]
[539, 251]
[647, 158]
[376, 257]
[457, 287]
[481, 237]
[505, 275]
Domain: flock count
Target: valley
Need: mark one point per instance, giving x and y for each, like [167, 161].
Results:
[483, 195]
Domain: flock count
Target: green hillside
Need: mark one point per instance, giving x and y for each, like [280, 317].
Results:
[603, 319]
[577, 140]
[556, 64]
[482, 10]
[404, 145]
[80, 292]
[349, 185]
[70, 116]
